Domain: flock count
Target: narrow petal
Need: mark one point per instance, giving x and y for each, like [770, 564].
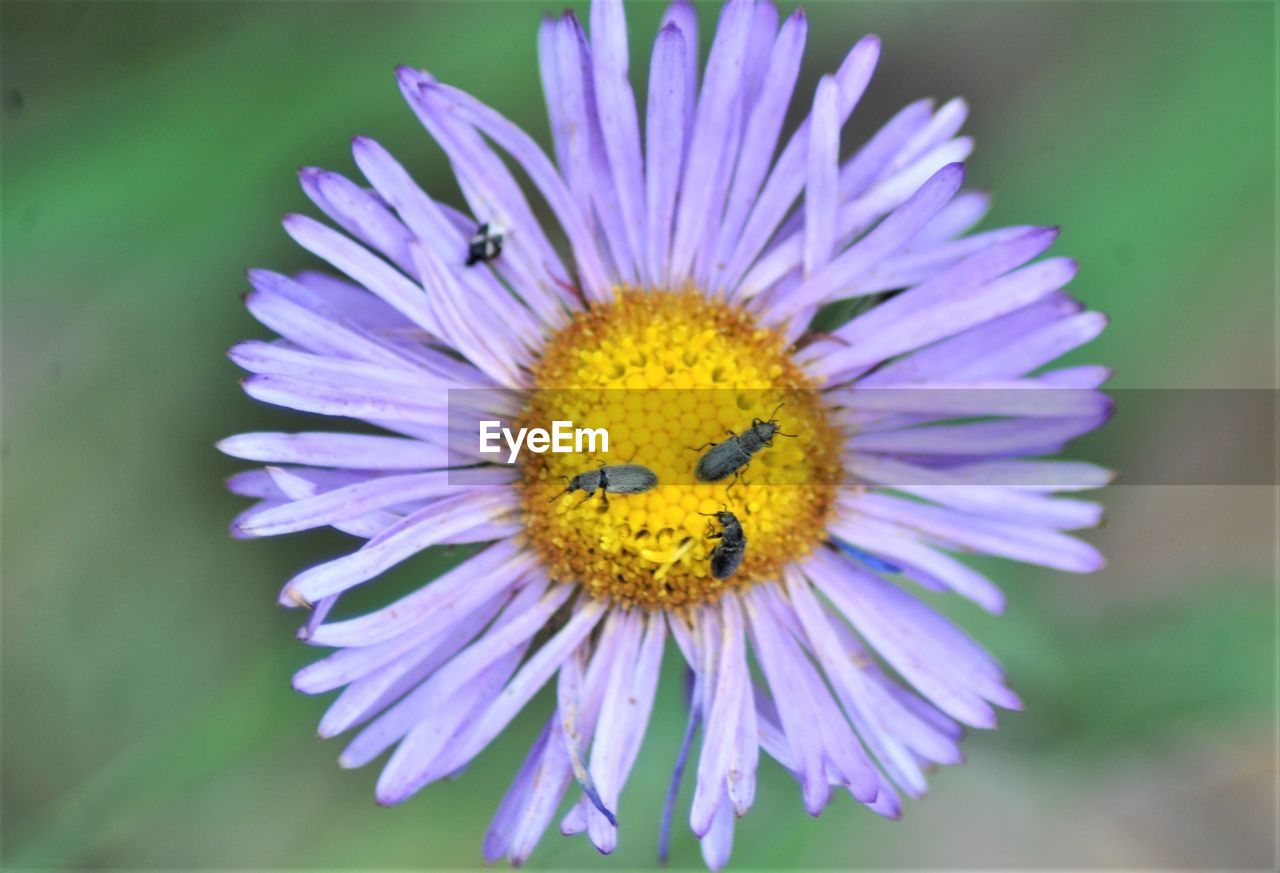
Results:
[760, 139]
[361, 498]
[682, 14]
[1027, 398]
[371, 694]
[360, 400]
[920, 561]
[926, 648]
[722, 727]
[922, 662]
[619, 123]
[586, 149]
[433, 227]
[363, 267]
[498, 838]
[297, 485]
[1036, 475]
[958, 218]
[517, 625]
[967, 294]
[850, 686]
[359, 213]
[677, 772]
[669, 91]
[540, 170]
[272, 305]
[493, 569]
[966, 531]
[347, 450]
[532, 675]
[847, 762]
[718, 843]
[821, 191]
[804, 741]
[981, 440]
[888, 237]
[991, 501]
[710, 133]
[424, 528]
[787, 178]
[607, 749]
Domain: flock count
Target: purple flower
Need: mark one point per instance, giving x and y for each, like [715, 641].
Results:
[692, 255]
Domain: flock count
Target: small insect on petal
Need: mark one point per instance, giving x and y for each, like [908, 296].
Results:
[486, 243]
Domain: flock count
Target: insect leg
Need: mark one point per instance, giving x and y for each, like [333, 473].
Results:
[737, 474]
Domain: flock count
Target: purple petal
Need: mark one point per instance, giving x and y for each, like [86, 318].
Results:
[669, 92]
[778, 660]
[359, 213]
[682, 14]
[710, 134]
[965, 295]
[852, 689]
[944, 124]
[763, 127]
[490, 571]
[492, 193]
[301, 486]
[416, 532]
[1019, 543]
[718, 843]
[364, 268]
[586, 151]
[347, 450]
[821, 192]
[498, 838]
[959, 217]
[607, 749]
[881, 614]
[532, 675]
[517, 625]
[433, 227]
[980, 440]
[787, 178]
[272, 304]
[356, 500]
[619, 124]
[371, 694]
[918, 561]
[726, 707]
[889, 236]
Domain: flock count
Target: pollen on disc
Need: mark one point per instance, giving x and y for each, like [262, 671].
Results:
[664, 373]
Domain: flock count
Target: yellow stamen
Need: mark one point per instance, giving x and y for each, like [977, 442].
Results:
[667, 559]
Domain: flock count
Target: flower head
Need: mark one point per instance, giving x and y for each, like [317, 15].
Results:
[772, 492]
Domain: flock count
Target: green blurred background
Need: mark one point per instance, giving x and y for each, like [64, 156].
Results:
[148, 152]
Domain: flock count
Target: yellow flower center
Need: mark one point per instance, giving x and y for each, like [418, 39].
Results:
[664, 373]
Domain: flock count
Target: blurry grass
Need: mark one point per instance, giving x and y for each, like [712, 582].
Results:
[148, 719]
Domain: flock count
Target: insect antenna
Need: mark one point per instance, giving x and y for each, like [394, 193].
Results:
[562, 493]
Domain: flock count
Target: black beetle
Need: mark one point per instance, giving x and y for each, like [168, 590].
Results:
[611, 479]
[728, 458]
[486, 244]
[726, 557]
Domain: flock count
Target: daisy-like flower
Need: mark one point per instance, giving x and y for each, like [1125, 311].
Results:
[688, 253]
